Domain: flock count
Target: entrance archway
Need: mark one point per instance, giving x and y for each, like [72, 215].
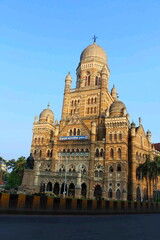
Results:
[83, 190]
[49, 187]
[98, 192]
[118, 194]
[71, 190]
[56, 188]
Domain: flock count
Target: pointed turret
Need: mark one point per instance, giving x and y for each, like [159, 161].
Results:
[68, 82]
[114, 93]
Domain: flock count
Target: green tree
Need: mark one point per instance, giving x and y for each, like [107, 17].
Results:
[149, 170]
[17, 167]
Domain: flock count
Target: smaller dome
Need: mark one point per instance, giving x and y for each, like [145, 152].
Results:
[117, 108]
[46, 115]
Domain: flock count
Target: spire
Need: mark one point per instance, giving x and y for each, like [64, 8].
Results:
[140, 121]
[48, 106]
[114, 93]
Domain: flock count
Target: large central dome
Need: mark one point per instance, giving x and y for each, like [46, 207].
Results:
[94, 52]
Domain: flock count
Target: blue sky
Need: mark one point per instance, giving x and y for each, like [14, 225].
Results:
[40, 41]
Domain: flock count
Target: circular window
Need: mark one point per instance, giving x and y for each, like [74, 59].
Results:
[118, 184]
[110, 184]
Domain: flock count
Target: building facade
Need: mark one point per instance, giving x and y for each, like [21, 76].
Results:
[94, 150]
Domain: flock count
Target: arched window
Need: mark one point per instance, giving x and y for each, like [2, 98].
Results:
[84, 190]
[70, 132]
[72, 102]
[35, 140]
[40, 153]
[118, 194]
[100, 174]
[38, 140]
[75, 103]
[35, 152]
[96, 173]
[96, 81]
[115, 137]
[74, 132]
[88, 100]
[78, 132]
[95, 109]
[87, 110]
[119, 168]
[110, 193]
[97, 152]
[91, 100]
[49, 187]
[120, 136]
[72, 169]
[119, 153]
[101, 153]
[110, 136]
[112, 153]
[111, 169]
[62, 169]
[91, 110]
[56, 188]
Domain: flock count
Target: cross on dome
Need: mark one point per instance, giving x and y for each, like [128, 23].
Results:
[94, 38]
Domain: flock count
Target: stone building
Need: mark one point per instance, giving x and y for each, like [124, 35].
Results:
[94, 150]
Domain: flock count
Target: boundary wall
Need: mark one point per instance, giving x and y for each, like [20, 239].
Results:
[28, 204]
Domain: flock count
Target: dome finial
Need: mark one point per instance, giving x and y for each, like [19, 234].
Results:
[94, 39]
[48, 106]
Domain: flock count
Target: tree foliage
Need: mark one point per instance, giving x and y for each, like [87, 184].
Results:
[14, 175]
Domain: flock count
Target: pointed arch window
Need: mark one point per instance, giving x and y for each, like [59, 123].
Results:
[119, 153]
[35, 153]
[70, 132]
[118, 194]
[112, 153]
[120, 136]
[78, 132]
[115, 136]
[97, 152]
[110, 193]
[74, 132]
[111, 169]
[110, 136]
[40, 153]
[119, 168]
[101, 153]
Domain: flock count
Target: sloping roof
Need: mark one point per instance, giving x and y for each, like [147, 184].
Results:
[157, 146]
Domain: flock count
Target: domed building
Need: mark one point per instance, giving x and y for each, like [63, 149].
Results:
[94, 151]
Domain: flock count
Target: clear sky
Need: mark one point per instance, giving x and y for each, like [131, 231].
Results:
[41, 40]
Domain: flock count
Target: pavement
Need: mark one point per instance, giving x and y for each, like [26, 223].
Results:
[112, 227]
